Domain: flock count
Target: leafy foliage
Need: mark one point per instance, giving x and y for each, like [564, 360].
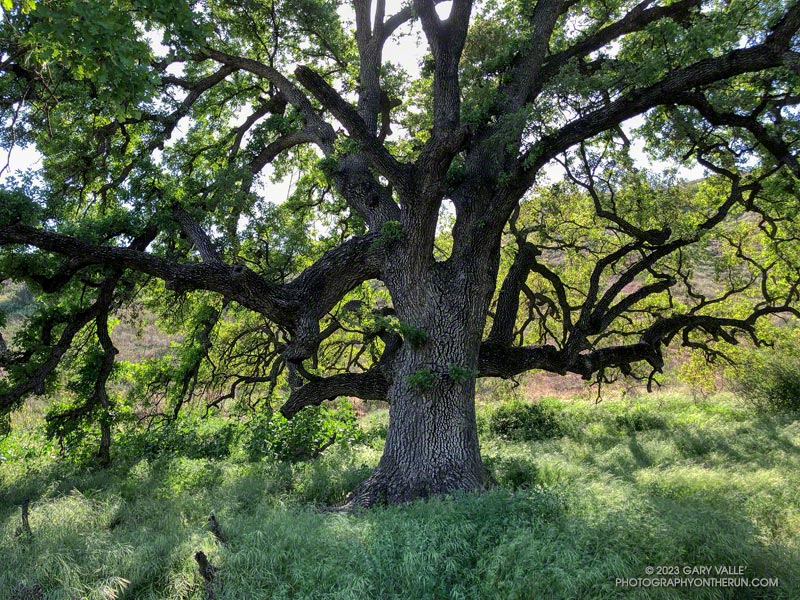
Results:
[524, 421]
[460, 374]
[422, 380]
[302, 437]
[773, 383]
[269, 436]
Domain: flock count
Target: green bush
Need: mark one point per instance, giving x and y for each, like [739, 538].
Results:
[268, 435]
[273, 436]
[773, 385]
[522, 421]
[190, 437]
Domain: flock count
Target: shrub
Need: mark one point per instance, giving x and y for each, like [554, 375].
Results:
[521, 421]
[773, 385]
[304, 436]
[268, 435]
[190, 436]
[769, 376]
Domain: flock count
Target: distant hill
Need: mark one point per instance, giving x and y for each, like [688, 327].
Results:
[16, 300]
[135, 343]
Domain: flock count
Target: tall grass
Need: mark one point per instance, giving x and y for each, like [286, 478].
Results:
[622, 486]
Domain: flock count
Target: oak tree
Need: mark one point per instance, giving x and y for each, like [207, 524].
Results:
[427, 238]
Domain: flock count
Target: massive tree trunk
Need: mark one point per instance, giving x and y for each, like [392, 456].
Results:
[432, 442]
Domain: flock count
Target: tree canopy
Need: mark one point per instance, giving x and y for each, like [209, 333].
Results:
[425, 239]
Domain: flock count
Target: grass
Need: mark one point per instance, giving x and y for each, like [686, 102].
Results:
[624, 485]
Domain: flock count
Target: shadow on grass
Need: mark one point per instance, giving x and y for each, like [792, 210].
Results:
[647, 493]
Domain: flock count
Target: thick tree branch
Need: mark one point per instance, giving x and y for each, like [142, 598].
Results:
[495, 360]
[313, 293]
[323, 131]
[505, 318]
[603, 316]
[526, 69]
[370, 385]
[353, 180]
[509, 361]
[196, 234]
[196, 89]
[705, 72]
[364, 193]
[285, 142]
[398, 174]
[35, 383]
[500, 360]
[446, 40]
[369, 40]
[259, 113]
[636, 20]
[561, 295]
[338, 271]
[235, 282]
[402, 16]
[100, 393]
[503, 360]
[74, 265]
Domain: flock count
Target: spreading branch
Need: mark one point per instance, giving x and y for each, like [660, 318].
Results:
[397, 173]
[766, 55]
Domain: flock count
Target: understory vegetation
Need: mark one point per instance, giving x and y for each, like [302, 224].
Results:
[587, 493]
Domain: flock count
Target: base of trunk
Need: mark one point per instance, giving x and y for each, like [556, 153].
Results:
[386, 486]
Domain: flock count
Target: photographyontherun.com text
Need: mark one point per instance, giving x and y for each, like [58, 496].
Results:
[696, 576]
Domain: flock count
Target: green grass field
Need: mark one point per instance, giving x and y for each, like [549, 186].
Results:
[607, 491]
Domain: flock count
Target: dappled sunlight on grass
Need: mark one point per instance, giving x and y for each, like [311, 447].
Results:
[622, 486]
